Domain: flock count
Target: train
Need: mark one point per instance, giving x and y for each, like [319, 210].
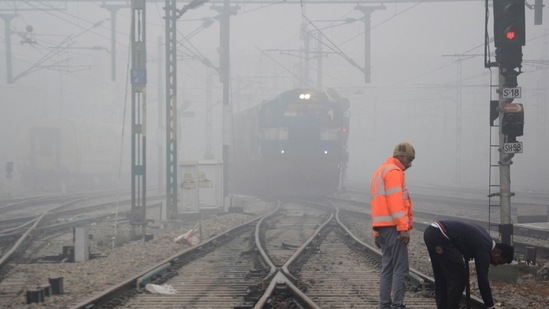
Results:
[292, 145]
[60, 155]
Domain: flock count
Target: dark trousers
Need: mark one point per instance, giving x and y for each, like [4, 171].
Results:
[448, 269]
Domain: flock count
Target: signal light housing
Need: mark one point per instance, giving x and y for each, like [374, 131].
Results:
[509, 23]
[512, 123]
[509, 57]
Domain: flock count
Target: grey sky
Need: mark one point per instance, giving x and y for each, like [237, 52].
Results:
[420, 53]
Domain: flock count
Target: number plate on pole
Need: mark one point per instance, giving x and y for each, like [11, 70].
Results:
[512, 93]
[515, 147]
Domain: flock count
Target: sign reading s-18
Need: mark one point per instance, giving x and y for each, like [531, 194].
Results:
[515, 147]
[512, 93]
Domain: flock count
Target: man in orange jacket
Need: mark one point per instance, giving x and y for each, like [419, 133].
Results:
[392, 218]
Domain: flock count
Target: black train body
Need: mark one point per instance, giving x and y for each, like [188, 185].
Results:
[292, 145]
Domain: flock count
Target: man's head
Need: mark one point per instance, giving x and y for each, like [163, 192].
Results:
[502, 254]
[405, 153]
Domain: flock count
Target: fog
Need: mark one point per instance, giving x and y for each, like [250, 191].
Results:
[428, 82]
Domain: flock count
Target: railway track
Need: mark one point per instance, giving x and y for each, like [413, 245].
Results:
[51, 215]
[325, 266]
[507, 279]
[21, 231]
[305, 255]
[525, 237]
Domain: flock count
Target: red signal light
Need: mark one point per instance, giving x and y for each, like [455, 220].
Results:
[509, 23]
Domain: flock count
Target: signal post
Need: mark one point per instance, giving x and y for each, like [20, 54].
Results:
[509, 37]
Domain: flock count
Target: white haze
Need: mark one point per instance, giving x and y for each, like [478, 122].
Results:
[428, 83]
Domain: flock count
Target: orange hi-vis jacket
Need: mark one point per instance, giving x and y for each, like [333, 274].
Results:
[390, 204]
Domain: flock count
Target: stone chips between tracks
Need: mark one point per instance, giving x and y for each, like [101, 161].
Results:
[83, 279]
[530, 290]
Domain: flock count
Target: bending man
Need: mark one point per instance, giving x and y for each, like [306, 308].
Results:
[451, 244]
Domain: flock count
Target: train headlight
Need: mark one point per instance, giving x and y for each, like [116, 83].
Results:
[325, 151]
[282, 151]
[305, 96]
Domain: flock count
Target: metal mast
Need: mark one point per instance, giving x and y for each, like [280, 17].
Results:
[113, 9]
[171, 110]
[172, 15]
[367, 11]
[7, 34]
[227, 107]
[139, 107]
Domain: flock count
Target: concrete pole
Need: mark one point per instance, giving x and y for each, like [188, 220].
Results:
[7, 34]
[506, 226]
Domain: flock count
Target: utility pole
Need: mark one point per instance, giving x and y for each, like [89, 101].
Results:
[509, 37]
[319, 61]
[172, 15]
[459, 109]
[171, 109]
[139, 108]
[161, 126]
[225, 66]
[304, 55]
[227, 107]
[7, 34]
[113, 8]
[367, 11]
[208, 154]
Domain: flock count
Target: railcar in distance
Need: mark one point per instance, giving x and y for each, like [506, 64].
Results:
[294, 144]
[61, 155]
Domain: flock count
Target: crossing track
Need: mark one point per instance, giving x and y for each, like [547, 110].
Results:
[214, 274]
[329, 269]
[26, 226]
[21, 218]
[526, 282]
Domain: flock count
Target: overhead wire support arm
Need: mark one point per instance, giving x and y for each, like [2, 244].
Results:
[191, 6]
[335, 48]
[267, 1]
[67, 43]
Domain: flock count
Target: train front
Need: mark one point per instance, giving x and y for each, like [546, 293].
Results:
[302, 143]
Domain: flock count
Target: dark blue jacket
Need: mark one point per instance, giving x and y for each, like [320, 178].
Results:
[474, 242]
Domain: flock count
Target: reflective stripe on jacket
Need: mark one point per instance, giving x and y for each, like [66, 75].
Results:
[390, 204]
